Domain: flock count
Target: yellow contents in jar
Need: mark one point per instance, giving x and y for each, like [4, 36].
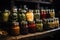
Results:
[5, 16]
[29, 16]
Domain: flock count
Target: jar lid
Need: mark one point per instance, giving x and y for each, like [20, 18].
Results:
[16, 23]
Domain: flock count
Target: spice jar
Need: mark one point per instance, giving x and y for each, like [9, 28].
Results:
[32, 26]
[39, 25]
[15, 29]
[24, 27]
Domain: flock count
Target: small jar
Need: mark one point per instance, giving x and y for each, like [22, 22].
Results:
[36, 14]
[56, 22]
[43, 14]
[6, 15]
[24, 27]
[50, 23]
[52, 13]
[39, 26]
[15, 29]
[30, 15]
[32, 26]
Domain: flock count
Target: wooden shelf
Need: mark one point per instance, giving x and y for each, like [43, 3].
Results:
[34, 34]
[35, 1]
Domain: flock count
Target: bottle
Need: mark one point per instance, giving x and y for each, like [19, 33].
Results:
[6, 15]
[24, 27]
[39, 26]
[32, 26]
[30, 15]
[15, 29]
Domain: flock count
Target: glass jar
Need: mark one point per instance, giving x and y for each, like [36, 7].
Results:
[50, 23]
[6, 15]
[36, 14]
[30, 16]
[43, 14]
[15, 29]
[39, 26]
[32, 26]
[56, 22]
[24, 27]
[52, 13]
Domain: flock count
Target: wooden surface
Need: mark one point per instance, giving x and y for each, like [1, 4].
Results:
[33, 34]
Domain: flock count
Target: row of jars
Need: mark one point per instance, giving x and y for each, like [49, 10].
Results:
[27, 14]
[25, 27]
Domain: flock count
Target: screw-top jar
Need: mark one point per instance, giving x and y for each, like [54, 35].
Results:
[39, 25]
[15, 29]
[50, 23]
[43, 14]
[52, 13]
[24, 27]
[32, 26]
[56, 22]
[36, 14]
[14, 15]
[30, 16]
[6, 15]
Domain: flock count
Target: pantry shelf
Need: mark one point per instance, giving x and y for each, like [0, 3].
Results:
[35, 1]
[33, 34]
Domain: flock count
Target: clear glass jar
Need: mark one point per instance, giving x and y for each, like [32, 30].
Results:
[30, 15]
[39, 26]
[6, 15]
[32, 26]
[24, 27]
[15, 29]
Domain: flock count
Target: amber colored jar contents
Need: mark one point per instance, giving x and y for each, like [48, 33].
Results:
[15, 29]
[30, 16]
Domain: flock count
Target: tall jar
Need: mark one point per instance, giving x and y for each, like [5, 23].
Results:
[24, 27]
[39, 26]
[15, 29]
[32, 26]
